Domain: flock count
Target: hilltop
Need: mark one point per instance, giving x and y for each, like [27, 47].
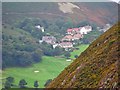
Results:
[96, 67]
[97, 12]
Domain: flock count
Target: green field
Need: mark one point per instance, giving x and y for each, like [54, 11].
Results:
[78, 52]
[49, 68]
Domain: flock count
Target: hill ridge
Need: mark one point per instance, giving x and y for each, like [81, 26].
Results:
[100, 13]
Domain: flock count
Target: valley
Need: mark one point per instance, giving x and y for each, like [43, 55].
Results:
[49, 68]
[50, 44]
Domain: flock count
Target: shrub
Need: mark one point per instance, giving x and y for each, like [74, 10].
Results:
[47, 82]
[76, 56]
[111, 42]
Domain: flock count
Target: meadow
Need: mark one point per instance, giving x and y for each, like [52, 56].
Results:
[49, 68]
[81, 47]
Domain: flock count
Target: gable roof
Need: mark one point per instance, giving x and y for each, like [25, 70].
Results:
[69, 36]
[69, 30]
[77, 36]
[72, 29]
[76, 29]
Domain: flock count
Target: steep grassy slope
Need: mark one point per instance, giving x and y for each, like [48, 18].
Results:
[96, 12]
[96, 67]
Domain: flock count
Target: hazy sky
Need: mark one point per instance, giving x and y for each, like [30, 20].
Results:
[57, 0]
[116, 0]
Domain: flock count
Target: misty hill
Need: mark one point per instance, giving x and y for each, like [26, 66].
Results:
[96, 67]
[93, 12]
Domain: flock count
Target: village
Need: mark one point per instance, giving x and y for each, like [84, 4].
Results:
[67, 42]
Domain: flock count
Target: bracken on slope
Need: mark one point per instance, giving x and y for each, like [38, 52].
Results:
[96, 67]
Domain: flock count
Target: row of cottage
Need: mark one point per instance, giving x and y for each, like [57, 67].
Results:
[67, 41]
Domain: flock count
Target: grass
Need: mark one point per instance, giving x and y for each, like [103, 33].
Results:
[49, 68]
[78, 52]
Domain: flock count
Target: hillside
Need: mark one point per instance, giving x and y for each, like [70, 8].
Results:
[96, 13]
[18, 47]
[96, 67]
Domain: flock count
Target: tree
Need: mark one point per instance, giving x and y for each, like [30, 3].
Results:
[12, 28]
[5, 26]
[57, 51]
[7, 85]
[22, 83]
[76, 56]
[47, 82]
[36, 84]
[10, 79]
[67, 55]
[53, 28]
[23, 59]
[37, 55]
[24, 23]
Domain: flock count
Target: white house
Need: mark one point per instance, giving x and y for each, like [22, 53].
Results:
[85, 29]
[40, 41]
[40, 28]
[55, 45]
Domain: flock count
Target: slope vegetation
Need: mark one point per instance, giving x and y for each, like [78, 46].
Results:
[97, 13]
[96, 67]
[18, 47]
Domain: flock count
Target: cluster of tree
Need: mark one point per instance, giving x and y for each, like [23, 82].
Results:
[9, 83]
[20, 58]
[54, 27]
[19, 50]
[67, 55]
[29, 26]
[57, 28]
[48, 50]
